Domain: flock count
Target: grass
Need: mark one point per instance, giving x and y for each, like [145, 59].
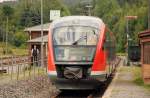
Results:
[12, 50]
[125, 69]
[121, 54]
[18, 51]
[26, 74]
[138, 78]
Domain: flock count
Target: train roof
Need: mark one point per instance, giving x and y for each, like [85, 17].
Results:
[77, 20]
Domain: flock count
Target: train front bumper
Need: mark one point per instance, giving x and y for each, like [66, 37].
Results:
[66, 84]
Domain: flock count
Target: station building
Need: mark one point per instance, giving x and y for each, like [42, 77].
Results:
[34, 34]
[145, 55]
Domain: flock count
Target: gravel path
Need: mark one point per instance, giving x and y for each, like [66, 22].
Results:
[39, 87]
[124, 87]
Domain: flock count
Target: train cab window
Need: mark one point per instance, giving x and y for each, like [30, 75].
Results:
[75, 43]
[75, 36]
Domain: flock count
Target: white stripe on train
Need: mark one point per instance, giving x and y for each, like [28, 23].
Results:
[52, 72]
[92, 73]
[98, 72]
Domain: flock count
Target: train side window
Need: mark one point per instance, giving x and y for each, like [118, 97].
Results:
[107, 41]
[108, 45]
[103, 47]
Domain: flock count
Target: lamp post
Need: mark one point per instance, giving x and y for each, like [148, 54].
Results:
[89, 9]
[127, 30]
[42, 63]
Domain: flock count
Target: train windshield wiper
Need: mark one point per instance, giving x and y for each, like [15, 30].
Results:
[80, 39]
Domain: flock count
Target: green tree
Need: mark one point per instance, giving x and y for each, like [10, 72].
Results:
[113, 13]
[7, 11]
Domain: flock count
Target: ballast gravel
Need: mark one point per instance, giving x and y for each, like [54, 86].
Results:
[37, 87]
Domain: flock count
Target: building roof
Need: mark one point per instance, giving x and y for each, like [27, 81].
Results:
[144, 34]
[38, 28]
[38, 40]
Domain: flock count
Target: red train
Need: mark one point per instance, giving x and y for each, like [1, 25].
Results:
[81, 52]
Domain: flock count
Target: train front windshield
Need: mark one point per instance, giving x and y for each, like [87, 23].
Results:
[75, 43]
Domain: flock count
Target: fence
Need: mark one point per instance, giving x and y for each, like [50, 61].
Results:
[16, 68]
[22, 77]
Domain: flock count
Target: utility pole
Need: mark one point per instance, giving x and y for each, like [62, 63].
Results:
[6, 51]
[3, 37]
[25, 4]
[148, 14]
[127, 28]
[42, 63]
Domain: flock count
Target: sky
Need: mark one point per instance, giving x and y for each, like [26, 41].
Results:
[6, 0]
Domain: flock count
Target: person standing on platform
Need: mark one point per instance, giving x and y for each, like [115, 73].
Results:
[35, 53]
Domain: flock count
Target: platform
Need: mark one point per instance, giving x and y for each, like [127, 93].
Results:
[123, 85]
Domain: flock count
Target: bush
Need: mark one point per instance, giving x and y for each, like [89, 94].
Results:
[20, 39]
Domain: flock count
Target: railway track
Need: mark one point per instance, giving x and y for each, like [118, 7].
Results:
[74, 94]
[11, 61]
[80, 94]
[15, 59]
[96, 93]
